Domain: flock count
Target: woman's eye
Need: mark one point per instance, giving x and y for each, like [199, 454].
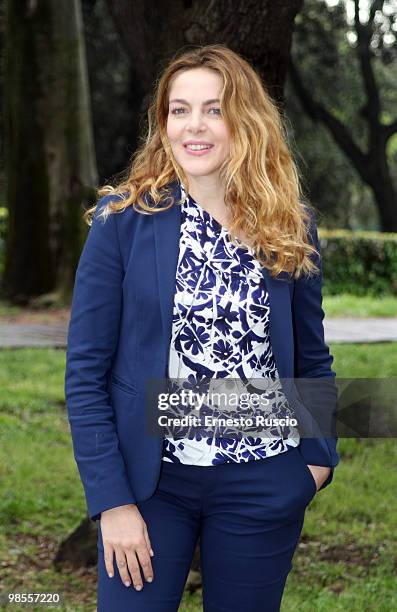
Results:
[175, 111]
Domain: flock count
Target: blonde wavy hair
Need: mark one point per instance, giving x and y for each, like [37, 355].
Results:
[263, 191]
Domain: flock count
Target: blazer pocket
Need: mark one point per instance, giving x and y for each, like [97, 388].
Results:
[123, 385]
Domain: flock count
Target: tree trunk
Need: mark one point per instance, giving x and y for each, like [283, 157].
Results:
[152, 32]
[50, 158]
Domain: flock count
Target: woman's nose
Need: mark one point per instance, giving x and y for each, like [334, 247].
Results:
[195, 121]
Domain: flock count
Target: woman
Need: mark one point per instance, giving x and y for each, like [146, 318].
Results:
[201, 266]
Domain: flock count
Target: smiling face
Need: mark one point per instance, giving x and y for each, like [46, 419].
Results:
[194, 121]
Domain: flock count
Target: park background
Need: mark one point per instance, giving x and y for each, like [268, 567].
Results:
[75, 80]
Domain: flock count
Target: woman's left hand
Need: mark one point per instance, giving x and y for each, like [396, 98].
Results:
[320, 473]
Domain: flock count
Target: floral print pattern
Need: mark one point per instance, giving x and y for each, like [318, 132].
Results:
[220, 330]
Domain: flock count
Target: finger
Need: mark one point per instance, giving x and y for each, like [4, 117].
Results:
[133, 567]
[145, 562]
[148, 544]
[121, 562]
[108, 556]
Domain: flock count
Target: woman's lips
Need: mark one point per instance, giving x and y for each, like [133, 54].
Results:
[198, 153]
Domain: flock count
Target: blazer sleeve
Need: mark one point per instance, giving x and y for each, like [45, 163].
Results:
[313, 359]
[91, 343]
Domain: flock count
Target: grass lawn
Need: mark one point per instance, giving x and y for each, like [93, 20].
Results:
[345, 305]
[345, 560]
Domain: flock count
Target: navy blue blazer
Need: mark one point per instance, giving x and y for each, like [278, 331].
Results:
[119, 336]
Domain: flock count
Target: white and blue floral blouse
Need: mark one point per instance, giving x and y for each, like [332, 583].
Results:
[220, 330]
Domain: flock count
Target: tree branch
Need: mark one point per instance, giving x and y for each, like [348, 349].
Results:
[389, 130]
[364, 36]
[318, 113]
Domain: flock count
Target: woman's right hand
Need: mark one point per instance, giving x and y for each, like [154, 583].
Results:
[125, 533]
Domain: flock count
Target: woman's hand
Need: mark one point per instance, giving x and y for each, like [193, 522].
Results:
[319, 473]
[124, 532]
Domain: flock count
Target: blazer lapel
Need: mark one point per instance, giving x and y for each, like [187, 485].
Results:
[166, 227]
[280, 325]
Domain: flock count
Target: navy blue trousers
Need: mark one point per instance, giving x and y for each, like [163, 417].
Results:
[248, 518]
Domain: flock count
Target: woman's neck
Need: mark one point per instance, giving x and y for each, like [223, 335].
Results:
[210, 194]
[211, 197]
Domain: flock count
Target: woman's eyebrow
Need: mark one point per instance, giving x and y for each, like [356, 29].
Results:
[182, 101]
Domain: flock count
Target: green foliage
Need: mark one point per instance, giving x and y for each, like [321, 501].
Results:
[324, 50]
[359, 263]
